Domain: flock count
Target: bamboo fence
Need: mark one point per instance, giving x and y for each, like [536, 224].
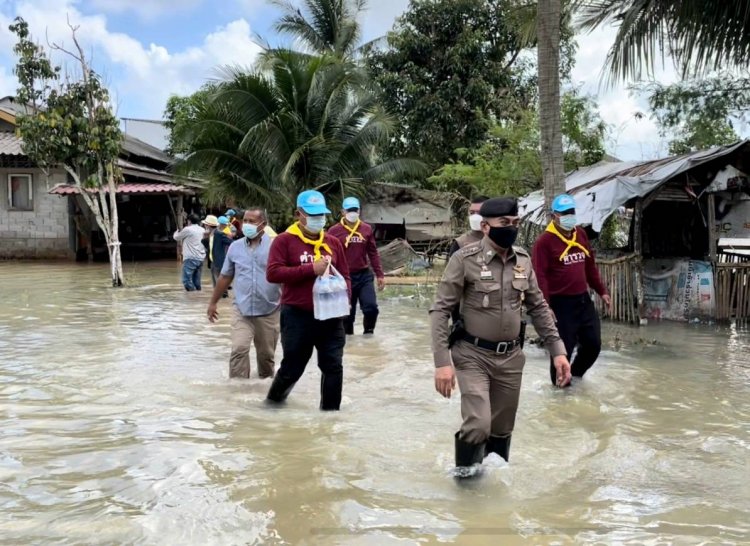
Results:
[622, 277]
[732, 288]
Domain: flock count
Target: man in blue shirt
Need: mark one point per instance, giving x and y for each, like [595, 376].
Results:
[256, 301]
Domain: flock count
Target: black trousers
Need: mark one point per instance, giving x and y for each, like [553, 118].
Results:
[300, 334]
[579, 326]
[363, 291]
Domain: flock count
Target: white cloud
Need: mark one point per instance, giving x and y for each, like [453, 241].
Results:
[147, 9]
[380, 16]
[145, 74]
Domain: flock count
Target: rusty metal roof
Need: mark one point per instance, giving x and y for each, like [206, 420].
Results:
[128, 188]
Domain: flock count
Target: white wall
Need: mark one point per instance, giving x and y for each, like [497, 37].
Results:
[41, 233]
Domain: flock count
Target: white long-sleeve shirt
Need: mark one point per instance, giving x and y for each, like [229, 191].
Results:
[192, 246]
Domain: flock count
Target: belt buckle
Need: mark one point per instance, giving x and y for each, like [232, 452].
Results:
[505, 348]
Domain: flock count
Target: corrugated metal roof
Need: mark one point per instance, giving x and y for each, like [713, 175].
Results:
[601, 189]
[131, 188]
[10, 144]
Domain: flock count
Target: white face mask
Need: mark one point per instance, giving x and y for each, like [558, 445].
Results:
[568, 222]
[352, 217]
[475, 222]
[315, 224]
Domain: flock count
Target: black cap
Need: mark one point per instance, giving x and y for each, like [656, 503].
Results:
[499, 206]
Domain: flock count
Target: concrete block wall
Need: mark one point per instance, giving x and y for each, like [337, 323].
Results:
[41, 233]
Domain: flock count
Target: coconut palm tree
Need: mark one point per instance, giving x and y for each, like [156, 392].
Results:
[329, 27]
[550, 125]
[303, 121]
[700, 35]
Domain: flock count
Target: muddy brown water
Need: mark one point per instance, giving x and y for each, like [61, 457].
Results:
[119, 425]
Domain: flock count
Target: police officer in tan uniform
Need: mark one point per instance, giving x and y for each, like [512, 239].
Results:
[490, 280]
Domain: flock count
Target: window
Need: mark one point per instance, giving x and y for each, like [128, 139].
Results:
[20, 192]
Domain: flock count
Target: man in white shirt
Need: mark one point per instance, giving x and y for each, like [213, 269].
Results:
[193, 252]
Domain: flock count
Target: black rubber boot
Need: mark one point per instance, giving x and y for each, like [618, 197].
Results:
[369, 321]
[330, 391]
[280, 389]
[468, 458]
[499, 445]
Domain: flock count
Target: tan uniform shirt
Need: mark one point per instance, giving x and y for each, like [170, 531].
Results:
[489, 289]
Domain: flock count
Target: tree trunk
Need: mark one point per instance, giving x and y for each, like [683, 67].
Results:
[115, 256]
[106, 218]
[548, 36]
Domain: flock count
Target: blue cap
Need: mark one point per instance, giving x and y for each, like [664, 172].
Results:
[230, 212]
[223, 220]
[350, 203]
[312, 202]
[563, 202]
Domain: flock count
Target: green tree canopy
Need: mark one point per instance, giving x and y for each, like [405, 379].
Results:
[450, 69]
[305, 121]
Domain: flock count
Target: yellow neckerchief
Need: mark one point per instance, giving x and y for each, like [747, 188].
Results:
[570, 242]
[352, 231]
[294, 229]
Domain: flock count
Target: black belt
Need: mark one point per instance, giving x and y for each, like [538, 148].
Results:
[501, 348]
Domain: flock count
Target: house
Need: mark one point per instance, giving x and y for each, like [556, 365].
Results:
[421, 217]
[42, 215]
[687, 232]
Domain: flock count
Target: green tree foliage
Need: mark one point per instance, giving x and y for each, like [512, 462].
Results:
[69, 123]
[698, 114]
[305, 121]
[451, 67]
[180, 115]
[700, 35]
[509, 161]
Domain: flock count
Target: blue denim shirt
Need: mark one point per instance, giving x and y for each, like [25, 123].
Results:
[254, 296]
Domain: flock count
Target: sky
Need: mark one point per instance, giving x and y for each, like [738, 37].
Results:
[148, 50]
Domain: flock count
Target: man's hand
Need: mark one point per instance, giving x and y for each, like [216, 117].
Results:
[320, 266]
[445, 380]
[381, 283]
[213, 314]
[562, 367]
[607, 299]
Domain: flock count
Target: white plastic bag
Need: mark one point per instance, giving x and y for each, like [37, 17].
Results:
[330, 295]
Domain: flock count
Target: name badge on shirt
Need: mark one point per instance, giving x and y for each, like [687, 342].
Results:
[486, 274]
[519, 272]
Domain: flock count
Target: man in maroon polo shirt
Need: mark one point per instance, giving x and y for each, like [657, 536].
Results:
[297, 257]
[363, 259]
[565, 267]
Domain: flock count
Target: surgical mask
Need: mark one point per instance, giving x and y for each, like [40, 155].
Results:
[475, 222]
[568, 222]
[315, 224]
[352, 217]
[504, 237]
[250, 231]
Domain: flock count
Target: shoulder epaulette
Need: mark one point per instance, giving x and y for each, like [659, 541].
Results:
[470, 250]
[520, 250]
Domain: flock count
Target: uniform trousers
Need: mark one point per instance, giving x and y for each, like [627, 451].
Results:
[490, 386]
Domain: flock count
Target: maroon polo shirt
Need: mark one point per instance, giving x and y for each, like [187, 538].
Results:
[362, 251]
[570, 276]
[290, 263]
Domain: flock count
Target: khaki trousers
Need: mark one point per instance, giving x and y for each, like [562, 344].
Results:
[264, 332]
[490, 387]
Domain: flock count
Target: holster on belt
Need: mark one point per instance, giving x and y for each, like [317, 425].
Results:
[457, 331]
[522, 335]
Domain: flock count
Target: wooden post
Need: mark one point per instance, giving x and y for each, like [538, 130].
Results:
[180, 215]
[637, 250]
[712, 236]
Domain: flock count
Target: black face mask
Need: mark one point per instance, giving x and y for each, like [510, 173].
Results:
[504, 237]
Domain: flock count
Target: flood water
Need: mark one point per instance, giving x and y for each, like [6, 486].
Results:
[119, 425]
